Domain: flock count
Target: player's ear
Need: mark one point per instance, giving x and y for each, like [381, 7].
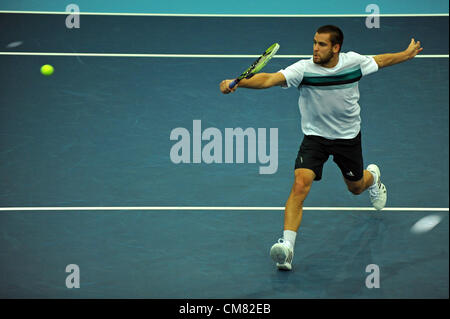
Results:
[336, 48]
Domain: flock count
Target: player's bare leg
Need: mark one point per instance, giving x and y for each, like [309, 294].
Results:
[371, 180]
[283, 251]
[294, 206]
[360, 186]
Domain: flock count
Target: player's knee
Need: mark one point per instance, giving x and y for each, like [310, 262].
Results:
[301, 187]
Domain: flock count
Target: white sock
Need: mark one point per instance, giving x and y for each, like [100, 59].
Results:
[289, 237]
[375, 178]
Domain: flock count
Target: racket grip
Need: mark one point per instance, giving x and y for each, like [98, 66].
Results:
[233, 84]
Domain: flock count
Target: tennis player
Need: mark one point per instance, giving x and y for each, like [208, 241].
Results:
[330, 121]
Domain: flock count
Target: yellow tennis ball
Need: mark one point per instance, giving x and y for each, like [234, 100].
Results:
[47, 69]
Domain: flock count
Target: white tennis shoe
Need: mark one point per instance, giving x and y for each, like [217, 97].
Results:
[282, 254]
[377, 192]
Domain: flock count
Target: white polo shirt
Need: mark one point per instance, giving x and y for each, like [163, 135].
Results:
[329, 97]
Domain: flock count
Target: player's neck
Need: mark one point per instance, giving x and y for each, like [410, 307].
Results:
[333, 62]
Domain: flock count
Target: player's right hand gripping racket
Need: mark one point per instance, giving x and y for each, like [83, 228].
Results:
[257, 65]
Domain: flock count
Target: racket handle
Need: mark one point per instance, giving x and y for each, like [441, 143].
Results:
[233, 84]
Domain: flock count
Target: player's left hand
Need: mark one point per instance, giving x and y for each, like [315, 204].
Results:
[413, 49]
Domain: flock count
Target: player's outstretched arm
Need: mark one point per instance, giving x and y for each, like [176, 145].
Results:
[388, 59]
[258, 81]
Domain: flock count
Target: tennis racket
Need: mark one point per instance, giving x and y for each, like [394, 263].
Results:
[257, 65]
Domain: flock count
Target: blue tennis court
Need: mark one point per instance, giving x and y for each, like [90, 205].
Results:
[87, 176]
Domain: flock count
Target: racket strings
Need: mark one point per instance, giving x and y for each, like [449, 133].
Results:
[259, 63]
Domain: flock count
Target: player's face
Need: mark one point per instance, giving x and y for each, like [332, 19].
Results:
[323, 49]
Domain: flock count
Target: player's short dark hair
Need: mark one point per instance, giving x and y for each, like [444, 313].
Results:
[336, 35]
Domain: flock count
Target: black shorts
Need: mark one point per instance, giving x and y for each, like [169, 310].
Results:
[347, 154]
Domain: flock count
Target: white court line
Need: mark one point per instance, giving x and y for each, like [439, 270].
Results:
[220, 208]
[214, 56]
[206, 15]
